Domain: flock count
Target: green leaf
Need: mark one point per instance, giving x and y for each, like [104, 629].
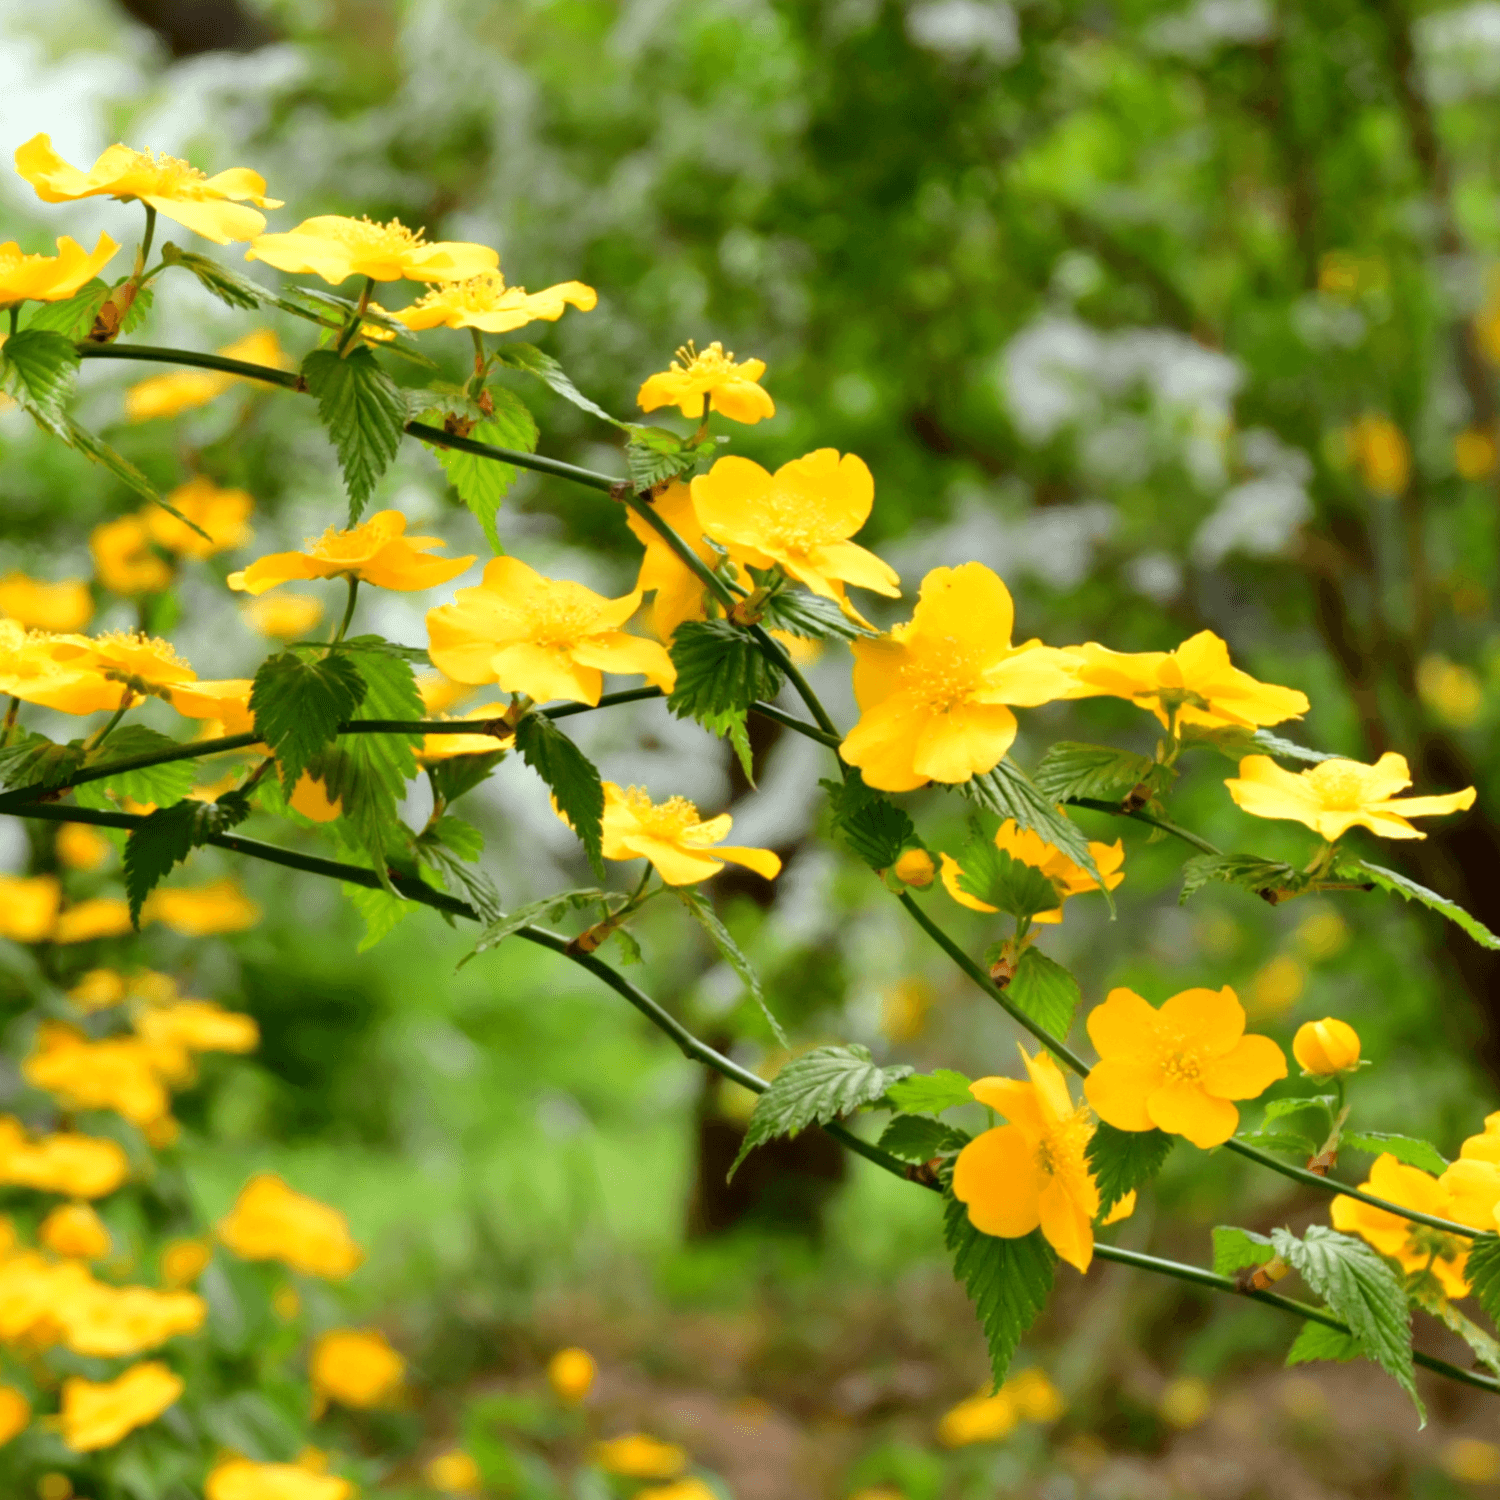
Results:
[299, 700]
[553, 908]
[815, 1088]
[73, 317]
[1009, 884]
[1045, 991]
[162, 784]
[1279, 1109]
[363, 413]
[458, 774]
[381, 763]
[38, 369]
[1246, 870]
[915, 1138]
[1482, 1270]
[655, 455]
[1414, 1152]
[572, 777]
[1235, 744]
[1123, 1160]
[99, 452]
[1428, 1295]
[169, 835]
[1287, 1142]
[931, 1093]
[1390, 880]
[230, 287]
[1070, 770]
[1319, 1341]
[1008, 1281]
[719, 935]
[529, 358]
[34, 760]
[382, 912]
[482, 483]
[1363, 1290]
[1234, 1249]
[1010, 792]
[719, 667]
[809, 616]
[871, 824]
[450, 846]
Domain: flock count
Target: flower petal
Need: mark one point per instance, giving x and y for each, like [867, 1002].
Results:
[851, 563]
[883, 744]
[626, 655]
[541, 672]
[1067, 1227]
[1428, 807]
[970, 604]
[969, 739]
[951, 872]
[1012, 1098]
[1123, 1027]
[1118, 1090]
[1247, 1070]
[997, 1176]
[675, 865]
[1029, 676]
[1264, 790]
[277, 568]
[1213, 1019]
[764, 862]
[1184, 1109]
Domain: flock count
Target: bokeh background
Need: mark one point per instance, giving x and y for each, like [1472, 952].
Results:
[1178, 316]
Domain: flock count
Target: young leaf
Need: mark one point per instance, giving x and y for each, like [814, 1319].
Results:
[551, 907]
[1234, 1249]
[382, 912]
[299, 700]
[719, 935]
[1045, 991]
[1279, 1109]
[99, 452]
[810, 616]
[169, 835]
[571, 775]
[1123, 1160]
[230, 287]
[363, 413]
[38, 369]
[73, 317]
[458, 774]
[719, 667]
[1405, 1148]
[1010, 792]
[915, 1138]
[1360, 1288]
[381, 763]
[1482, 1269]
[1235, 743]
[36, 761]
[1288, 1142]
[482, 482]
[1008, 1281]
[654, 455]
[815, 1088]
[1389, 880]
[1319, 1341]
[931, 1093]
[1002, 881]
[1429, 1296]
[529, 358]
[1070, 770]
[1268, 878]
[162, 784]
[871, 824]
[450, 847]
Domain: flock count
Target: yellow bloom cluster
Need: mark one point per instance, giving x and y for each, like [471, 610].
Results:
[80, 1166]
[36, 605]
[269, 1221]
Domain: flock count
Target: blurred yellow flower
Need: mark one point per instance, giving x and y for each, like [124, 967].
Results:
[1185, 1402]
[440, 747]
[336, 248]
[15, 1413]
[679, 590]
[1035, 1398]
[731, 389]
[1471, 1460]
[454, 1473]
[210, 206]
[1413, 1246]
[914, 867]
[1177, 1068]
[285, 1303]
[28, 907]
[201, 911]
[1381, 454]
[99, 988]
[547, 638]
[1326, 1048]
[1451, 690]
[1277, 986]
[486, 303]
[1474, 454]
[80, 847]
[691, 1488]
[98, 917]
[223, 514]
[377, 552]
[64, 606]
[271, 1222]
[53, 672]
[184, 1261]
[123, 559]
[183, 390]
[636, 1456]
[1322, 934]
[310, 798]
[1032, 849]
[1336, 795]
[904, 1007]
[1124, 1208]
[284, 617]
[98, 1415]
[50, 278]
[76, 1231]
[934, 694]
[81, 1166]
[682, 847]
[355, 1367]
[980, 1419]
[240, 1479]
[570, 1373]
[1034, 1170]
[800, 518]
[198, 1026]
[439, 693]
[119, 1073]
[225, 703]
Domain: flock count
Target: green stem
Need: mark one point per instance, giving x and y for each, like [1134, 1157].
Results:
[352, 327]
[143, 254]
[1202, 845]
[690, 559]
[100, 735]
[353, 581]
[481, 358]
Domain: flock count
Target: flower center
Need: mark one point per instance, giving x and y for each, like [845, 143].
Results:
[561, 622]
[479, 294]
[667, 820]
[943, 673]
[1340, 784]
[174, 178]
[352, 546]
[712, 362]
[371, 238]
[1182, 1066]
[1061, 1148]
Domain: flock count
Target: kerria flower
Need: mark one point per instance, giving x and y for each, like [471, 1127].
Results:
[225, 703]
[197, 1026]
[1326, 1048]
[1473, 1181]
[146, 664]
[682, 847]
[800, 518]
[123, 559]
[679, 591]
[271, 1222]
[183, 390]
[440, 747]
[119, 1073]
[486, 303]
[223, 514]
[355, 1367]
[28, 907]
[1335, 795]
[98, 917]
[637, 1456]
[935, 694]
[80, 1166]
[75, 1231]
[184, 1261]
[98, 1415]
[15, 1413]
[80, 847]
[202, 910]
[1414, 1247]
[54, 671]
[377, 551]
[336, 248]
[454, 1473]
[571, 1373]
[731, 389]
[64, 606]
[1177, 1068]
[1032, 849]
[210, 206]
[286, 617]
[544, 637]
[1032, 1171]
[243, 1479]
[1195, 684]
[50, 278]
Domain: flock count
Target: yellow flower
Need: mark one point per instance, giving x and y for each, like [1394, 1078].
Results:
[1474, 454]
[147, 664]
[1381, 453]
[439, 747]
[1413, 1246]
[225, 703]
[98, 917]
[310, 798]
[547, 638]
[1177, 1068]
[79, 847]
[1326, 1048]
[184, 1261]
[118, 1074]
[52, 672]
[15, 1413]
[201, 911]
[98, 1415]
[210, 206]
[636, 1456]
[28, 907]
[99, 988]
[1034, 1170]
[1473, 1186]
[46, 606]
[1032, 849]
[183, 390]
[241, 1479]
[1471, 1461]
[1451, 690]
[440, 693]
[1197, 680]
[355, 1367]
[679, 590]
[914, 867]
[198, 1026]
[1336, 795]
[377, 552]
[904, 1008]
[486, 303]
[1277, 986]
[731, 389]
[50, 278]
[287, 617]
[933, 694]
[454, 1473]
[335, 248]
[801, 517]
[271, 1222]
[570, 1373]
[223, 514]
[1185, 1402]
[82, 1166]
[123, 559]
[682, 847]
[1124, 1208]
[76, 1231]
[980, 1419]
[691, 1488]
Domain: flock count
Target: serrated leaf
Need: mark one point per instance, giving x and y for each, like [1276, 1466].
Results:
[1279, 1109]
[1010, 792]
[1400, 885]
[1287, 1142]
[1235, 744]
[381, 911]
[722, 939]
[458, 774]
[384, 763]
[1234, 1249]
[1070, 770]
[451, 846]
[1045, 991]
[719, 667]
[229, 286]
[529, 358]
[1319, 1341]
[871, 824]
[1482, 1271]
[916, 1138]
[299, 701]
[166, 838]
[815, 1088]
[996, 877]
[653, 455]
[1008, 1281]
[1414, 1152]
[551, 907]
[1246, 870]
[363, 413]
[162, 784]
[1123, 1160]
[34, 760]
[482, 482]
[1363, 1290]
[809, 616]
[99, 452]
[73, 317]
[38, 370]
[1429, 1296]
[572, 777]
[931, 1093]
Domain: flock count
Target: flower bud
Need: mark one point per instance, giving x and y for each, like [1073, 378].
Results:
[914, 867]
[1326, 1047]
[570, 1372]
